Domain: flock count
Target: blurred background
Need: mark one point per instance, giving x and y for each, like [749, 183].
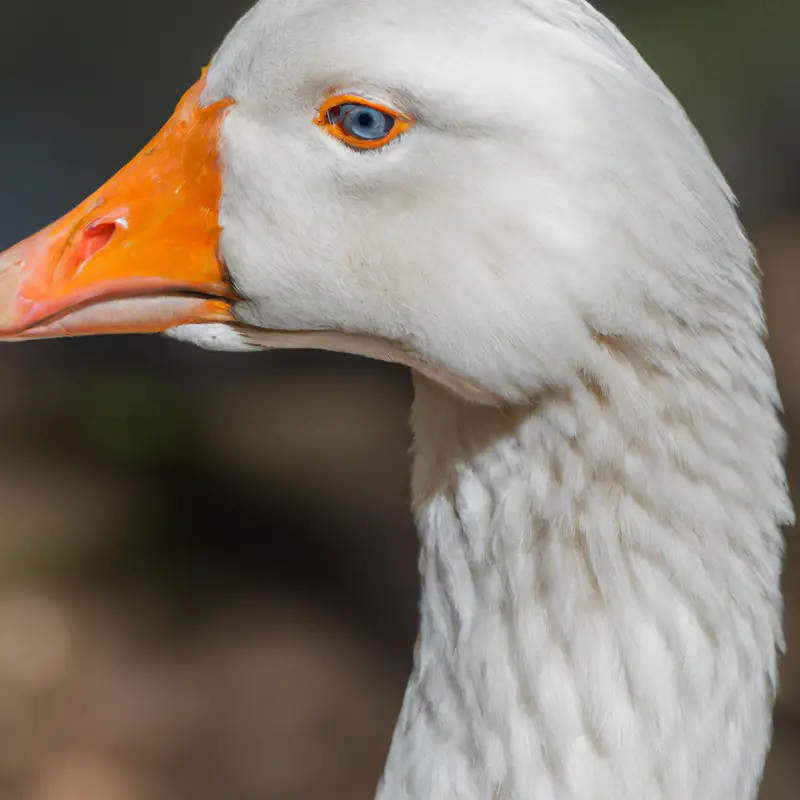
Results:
[207, 565]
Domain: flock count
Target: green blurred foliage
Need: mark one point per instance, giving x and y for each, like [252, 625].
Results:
[133, 417]
[716, 51]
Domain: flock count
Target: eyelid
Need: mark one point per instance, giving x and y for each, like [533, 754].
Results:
[403, 122]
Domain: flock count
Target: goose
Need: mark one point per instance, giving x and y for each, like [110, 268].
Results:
[501, 195]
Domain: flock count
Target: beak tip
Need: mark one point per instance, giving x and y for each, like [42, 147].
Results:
[11, 277]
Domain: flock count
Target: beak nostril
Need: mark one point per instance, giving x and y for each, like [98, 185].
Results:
[95, 237]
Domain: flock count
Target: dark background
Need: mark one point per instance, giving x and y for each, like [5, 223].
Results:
[207, 566]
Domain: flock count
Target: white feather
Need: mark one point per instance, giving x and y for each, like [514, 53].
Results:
[601, 552]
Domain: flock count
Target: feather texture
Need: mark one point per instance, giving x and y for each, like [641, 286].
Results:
[601, 552]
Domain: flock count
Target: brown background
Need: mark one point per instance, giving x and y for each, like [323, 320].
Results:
[207, 567]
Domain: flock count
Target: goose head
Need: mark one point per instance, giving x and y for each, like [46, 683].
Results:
[488, 191]
[502, 195]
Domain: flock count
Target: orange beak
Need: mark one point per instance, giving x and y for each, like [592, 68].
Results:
[140, 254]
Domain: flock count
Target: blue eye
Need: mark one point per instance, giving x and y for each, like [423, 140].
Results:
[362, 122]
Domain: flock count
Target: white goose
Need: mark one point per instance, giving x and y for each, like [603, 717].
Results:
[501, 194]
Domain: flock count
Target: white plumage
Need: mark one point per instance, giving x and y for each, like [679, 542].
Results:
[600, 612]
[597, 473]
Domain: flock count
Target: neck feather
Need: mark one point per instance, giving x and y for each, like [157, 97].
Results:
[600, 611]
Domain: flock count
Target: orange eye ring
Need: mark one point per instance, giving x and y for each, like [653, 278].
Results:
[334, 123]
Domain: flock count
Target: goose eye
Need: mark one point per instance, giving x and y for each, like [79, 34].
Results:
[361, 124]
